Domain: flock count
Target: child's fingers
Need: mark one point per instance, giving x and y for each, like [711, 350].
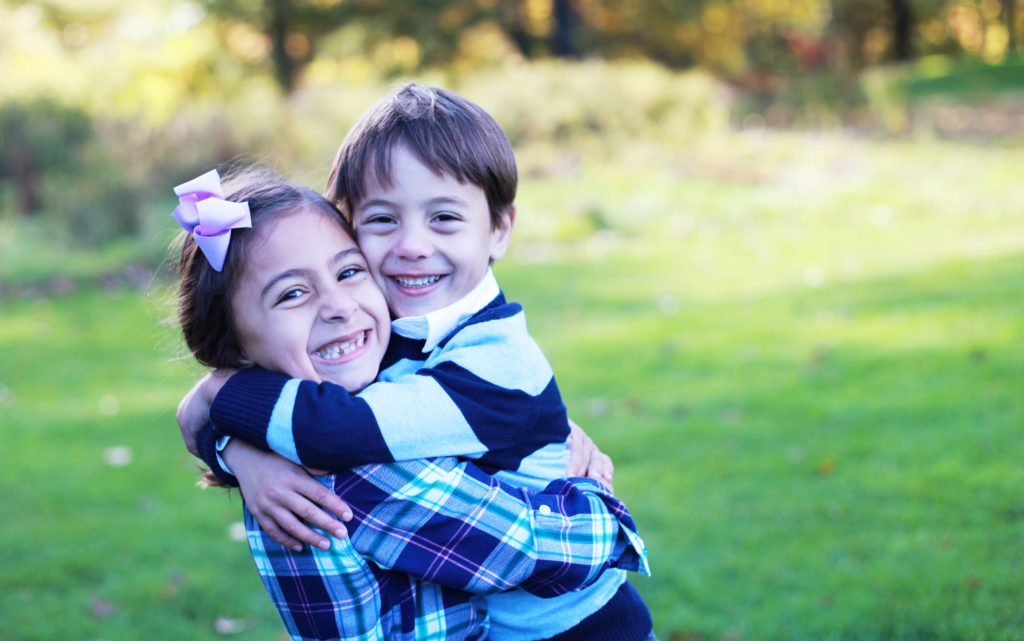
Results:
[581, 448]
[601, 469]
[328, 500]
[271, 527]
[291, 525]
[313, 515]
[577, 462]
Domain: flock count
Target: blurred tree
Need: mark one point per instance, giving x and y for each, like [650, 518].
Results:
[902, 21]
[537, 27]
[1010, 16]
[39, 136]
[292, 28]
[565, 28]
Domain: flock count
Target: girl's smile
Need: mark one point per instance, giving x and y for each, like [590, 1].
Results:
[306, 305]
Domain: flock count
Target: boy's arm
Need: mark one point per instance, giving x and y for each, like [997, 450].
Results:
[194, 409]
[448, 522]
[489, 386]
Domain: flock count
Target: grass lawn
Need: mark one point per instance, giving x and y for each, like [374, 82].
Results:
[802, 351]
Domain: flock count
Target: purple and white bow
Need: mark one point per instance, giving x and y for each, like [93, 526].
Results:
[203, 212]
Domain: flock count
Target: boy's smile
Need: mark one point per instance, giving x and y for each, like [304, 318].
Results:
[427, 237]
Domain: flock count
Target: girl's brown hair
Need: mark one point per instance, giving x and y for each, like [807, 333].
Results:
[204, 295]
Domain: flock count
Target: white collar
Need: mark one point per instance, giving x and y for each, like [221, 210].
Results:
[434, 326]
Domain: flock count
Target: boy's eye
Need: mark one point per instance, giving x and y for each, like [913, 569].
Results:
[445, 217]
[378, 219]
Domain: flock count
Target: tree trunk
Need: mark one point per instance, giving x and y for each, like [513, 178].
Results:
[565, 27]
[1010, 15]
[285, 68]
[512, 24]
[902, 21]
[23, 175]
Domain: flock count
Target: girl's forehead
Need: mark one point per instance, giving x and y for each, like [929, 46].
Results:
[290, 232]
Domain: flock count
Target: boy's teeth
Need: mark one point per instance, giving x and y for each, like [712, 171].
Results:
[337, 349]
[417, 282]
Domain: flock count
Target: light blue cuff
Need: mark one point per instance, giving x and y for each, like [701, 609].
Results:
[222, 442]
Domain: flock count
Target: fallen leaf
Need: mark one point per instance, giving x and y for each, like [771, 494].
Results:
[225, 626]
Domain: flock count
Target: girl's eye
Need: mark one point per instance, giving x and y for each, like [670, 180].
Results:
[291, 294]
[349, 272]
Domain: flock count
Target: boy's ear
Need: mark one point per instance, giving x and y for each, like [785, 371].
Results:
[501, 233]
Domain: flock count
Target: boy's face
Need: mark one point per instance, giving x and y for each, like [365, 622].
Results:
[427, 238]
[306, 306]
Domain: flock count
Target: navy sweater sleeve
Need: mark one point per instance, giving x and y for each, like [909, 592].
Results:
[334, 430]
[487, 392]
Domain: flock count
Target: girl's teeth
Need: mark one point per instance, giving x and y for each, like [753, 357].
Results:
[338, 349]
[417, 282]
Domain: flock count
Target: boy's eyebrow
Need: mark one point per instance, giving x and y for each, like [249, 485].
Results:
[302, 271]
[433, 202]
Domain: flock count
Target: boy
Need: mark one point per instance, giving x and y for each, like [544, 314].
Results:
[428, 181]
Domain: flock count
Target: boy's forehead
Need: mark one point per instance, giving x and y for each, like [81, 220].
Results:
[379, 171]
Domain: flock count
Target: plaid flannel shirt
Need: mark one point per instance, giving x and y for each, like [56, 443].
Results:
[427, 537]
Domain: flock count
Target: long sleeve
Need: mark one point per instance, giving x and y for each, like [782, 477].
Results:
[206, 445]
[447, 522]
[485, 392]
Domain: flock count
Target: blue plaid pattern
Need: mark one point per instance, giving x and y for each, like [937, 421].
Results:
[428, 537]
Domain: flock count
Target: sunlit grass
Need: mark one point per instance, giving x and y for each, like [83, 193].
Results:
[802, 351]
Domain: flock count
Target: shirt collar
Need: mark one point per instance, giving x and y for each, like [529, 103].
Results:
[433, 326]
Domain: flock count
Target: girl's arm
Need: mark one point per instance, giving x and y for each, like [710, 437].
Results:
[448, 522]
[286, 501]
[587, 459]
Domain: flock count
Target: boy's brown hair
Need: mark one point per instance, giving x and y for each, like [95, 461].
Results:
[448, 133]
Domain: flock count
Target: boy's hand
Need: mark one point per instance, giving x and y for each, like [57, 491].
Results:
[586, 459]
[194, 409]
[284, 499]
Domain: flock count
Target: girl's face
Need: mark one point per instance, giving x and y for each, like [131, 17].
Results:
[306, 306]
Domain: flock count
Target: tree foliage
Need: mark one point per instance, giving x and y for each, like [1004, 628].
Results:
[732, 37]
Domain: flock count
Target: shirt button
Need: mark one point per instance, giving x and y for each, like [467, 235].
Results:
[545, 510]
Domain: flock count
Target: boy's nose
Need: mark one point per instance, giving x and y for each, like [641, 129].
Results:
[412, 244]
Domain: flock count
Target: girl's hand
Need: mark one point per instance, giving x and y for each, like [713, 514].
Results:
[284, 498]
[586, 459]
[194, 409]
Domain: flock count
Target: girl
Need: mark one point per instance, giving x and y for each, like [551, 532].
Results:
[270, 276]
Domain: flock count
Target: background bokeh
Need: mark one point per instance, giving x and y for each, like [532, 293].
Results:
[774, 250]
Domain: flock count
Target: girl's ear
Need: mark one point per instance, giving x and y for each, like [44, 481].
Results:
[243, 360]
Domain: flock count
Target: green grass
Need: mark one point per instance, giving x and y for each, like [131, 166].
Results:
[802, 352]
[939, 76]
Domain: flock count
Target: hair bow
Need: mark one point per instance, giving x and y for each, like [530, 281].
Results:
[203, 212]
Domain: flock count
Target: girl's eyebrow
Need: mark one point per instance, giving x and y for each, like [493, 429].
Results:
[288, 273]
[307, 273]
[345, 253]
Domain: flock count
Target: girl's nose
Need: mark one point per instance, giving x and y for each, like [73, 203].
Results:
[339, 305]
